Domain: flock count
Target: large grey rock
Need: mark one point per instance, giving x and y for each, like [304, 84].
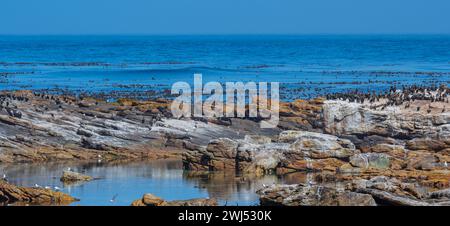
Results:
[254, 153]
[311, 195]
[318, 145]
[293, 151]
[348, 118]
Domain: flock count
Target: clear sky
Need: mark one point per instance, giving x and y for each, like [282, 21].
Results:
[223, 16]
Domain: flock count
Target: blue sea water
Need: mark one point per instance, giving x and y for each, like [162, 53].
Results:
[126, 182]
[306, 66]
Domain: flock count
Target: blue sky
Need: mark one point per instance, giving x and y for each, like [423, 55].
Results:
[224, 16]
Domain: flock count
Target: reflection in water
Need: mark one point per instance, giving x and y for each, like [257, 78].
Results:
[129, 181]
[319, 178]
[230, 188]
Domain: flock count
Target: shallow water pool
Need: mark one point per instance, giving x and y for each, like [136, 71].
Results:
[129, 181]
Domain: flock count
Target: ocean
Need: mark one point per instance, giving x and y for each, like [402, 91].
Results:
[146, 66]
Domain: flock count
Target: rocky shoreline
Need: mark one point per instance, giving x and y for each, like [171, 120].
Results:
[41, 127]
[11, 194]
[378, 190]
[402, 137]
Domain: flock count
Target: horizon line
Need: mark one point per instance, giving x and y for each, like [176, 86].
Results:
[214, 34]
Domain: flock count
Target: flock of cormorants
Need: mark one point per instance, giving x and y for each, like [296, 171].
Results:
[396, 97]
[9, 107]
[393, 97]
